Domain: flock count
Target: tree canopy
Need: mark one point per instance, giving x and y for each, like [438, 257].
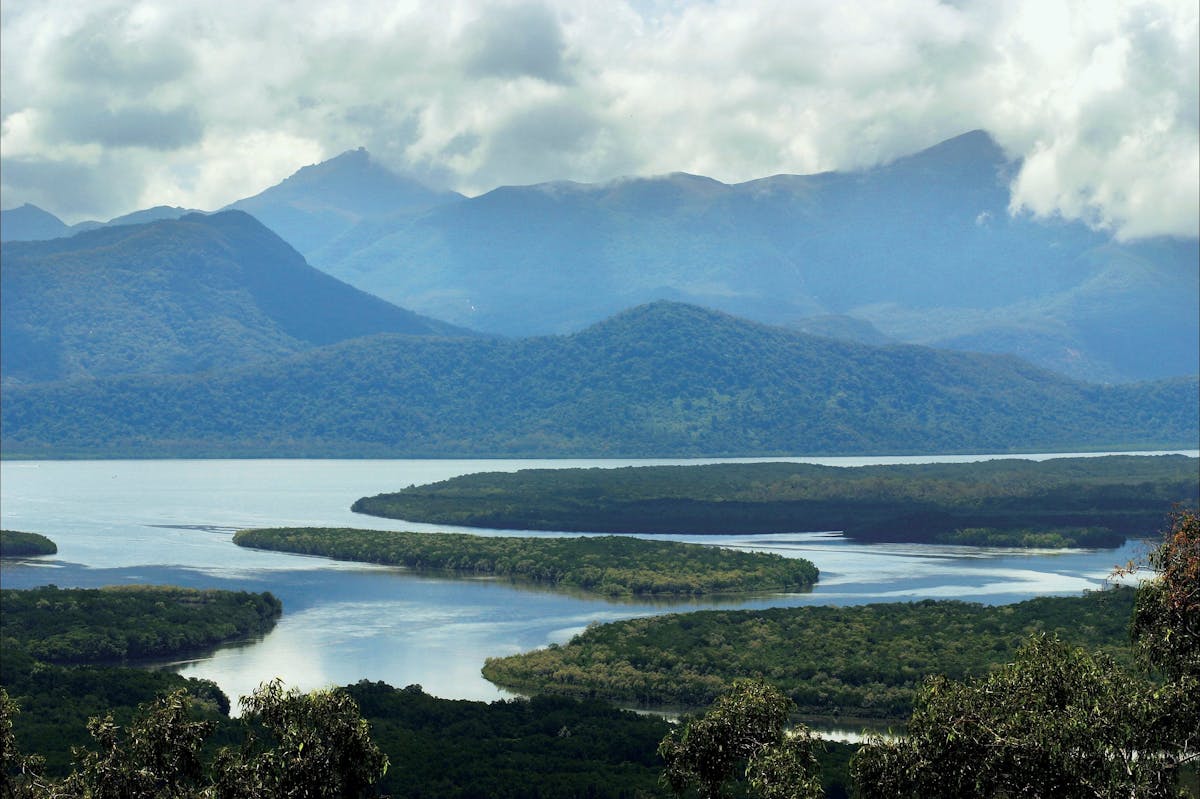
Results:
[744, 730]
[295, 746]
[607, 565]
[1011, 502]
[1061, 721]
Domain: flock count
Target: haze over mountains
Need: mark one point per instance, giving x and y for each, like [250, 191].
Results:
[173, 297]
[210, 335]
[922, 250]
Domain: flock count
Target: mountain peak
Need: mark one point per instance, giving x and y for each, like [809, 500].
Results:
[356, 162]
[973, 150]
[30, 223]
[320, 202]
[174, 296]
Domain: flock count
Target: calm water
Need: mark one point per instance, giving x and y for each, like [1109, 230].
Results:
[121, 522]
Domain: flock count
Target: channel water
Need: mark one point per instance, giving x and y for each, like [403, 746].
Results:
[172, 522]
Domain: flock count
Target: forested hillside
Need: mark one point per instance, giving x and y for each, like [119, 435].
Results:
[663, 379]
[174, 296]
[923, 248]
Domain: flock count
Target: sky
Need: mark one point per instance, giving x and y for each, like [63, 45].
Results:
[108, 107]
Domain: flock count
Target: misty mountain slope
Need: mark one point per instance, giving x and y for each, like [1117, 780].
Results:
[30, 223]
[174, 296]
[659, 380]
[1098, 327]
[139, 217]
[924, 248]
[320, 202]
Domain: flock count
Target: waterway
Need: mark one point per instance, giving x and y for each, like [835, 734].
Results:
[172, 522]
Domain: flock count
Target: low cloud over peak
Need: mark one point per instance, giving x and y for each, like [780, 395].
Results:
[192, 104]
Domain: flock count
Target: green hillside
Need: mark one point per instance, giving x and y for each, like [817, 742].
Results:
[923, 248]
[172, 297]
[663, 379]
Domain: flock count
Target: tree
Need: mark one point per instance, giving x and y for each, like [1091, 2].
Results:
[20, 775]
[1058, 722]
[314, 746]
[319, 747]
[745, 727]
[157, 757]
[1062, 722]
[1166, 616]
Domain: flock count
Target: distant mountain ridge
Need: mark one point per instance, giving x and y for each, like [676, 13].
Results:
[322, 201]
[659, 380]
[30, 223]
[175, 296]
[923, 249]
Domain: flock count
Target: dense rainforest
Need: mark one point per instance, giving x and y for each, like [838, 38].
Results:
[1062, 501]
[862, 661]
[608, 565]
[659, 380]
[121, 623]
[545, 746]
[60, 647]
[174, 297]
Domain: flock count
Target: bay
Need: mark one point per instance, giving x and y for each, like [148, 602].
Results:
[172, 522]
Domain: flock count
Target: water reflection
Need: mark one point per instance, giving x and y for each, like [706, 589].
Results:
[172, 522]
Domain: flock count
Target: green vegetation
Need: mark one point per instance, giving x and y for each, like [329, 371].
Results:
[1021, 502]
[173, 297]
[57, 701]
[544, 746]
[54, 638]
[1058, 721]
[549, 747]
[1055, 538]
[313, 745]
[745, 729]
[609, 565]
[16, 545]
[864, 661]
[120, 623]
[1061, 721]
[664, 379]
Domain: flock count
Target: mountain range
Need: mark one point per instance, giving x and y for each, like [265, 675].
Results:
[174, 296]
[30, 223]
[922, 250]
[211, 335]
[664, 379]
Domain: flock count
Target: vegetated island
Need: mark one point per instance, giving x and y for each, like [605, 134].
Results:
[60, 645]
[861, 662]
[607, 565]
[134, 622]
[1091, 502]
[14, 544]
[554, 747]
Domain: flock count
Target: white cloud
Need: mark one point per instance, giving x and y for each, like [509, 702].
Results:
[191, 102]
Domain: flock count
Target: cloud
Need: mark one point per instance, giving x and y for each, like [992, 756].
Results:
[126, 127]
[523, 40]
[1098, 97]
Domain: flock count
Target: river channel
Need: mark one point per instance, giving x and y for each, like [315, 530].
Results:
[172, 522]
